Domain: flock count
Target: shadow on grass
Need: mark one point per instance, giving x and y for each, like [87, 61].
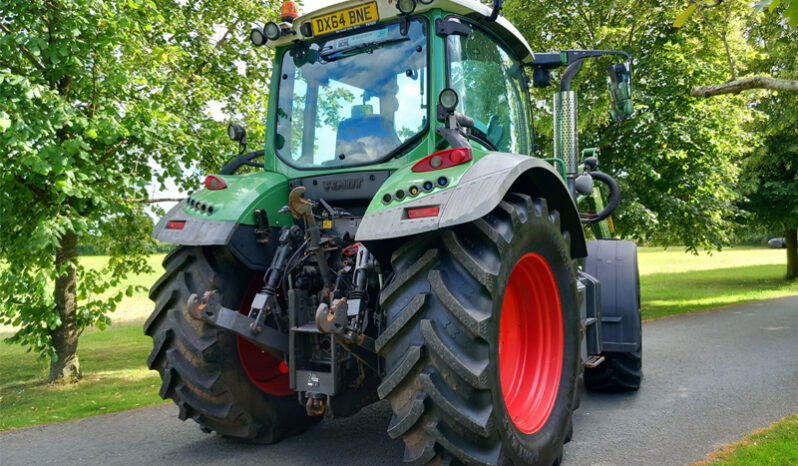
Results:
[115, 378]
[665, 294]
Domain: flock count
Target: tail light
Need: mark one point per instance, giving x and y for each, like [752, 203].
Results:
[214, 183]
[422, 212]
[175, 224]
[443, 159]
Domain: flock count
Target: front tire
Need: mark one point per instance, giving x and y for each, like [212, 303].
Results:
[462, 343]
[201, 366]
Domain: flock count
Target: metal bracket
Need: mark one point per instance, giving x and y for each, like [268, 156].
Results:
[262, 233]
[333, 320]
[448, 27]
[209, 309]
[453, 136]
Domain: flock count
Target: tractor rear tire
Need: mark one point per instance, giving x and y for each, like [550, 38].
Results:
[620, 372]
[457, 299]
[199, 364]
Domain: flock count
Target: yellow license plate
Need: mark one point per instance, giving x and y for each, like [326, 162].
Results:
[345, 19]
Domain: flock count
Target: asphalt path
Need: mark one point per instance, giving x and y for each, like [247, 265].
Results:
[710, 377]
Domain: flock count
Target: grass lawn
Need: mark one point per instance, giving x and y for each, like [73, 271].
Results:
[775, 444]
[116, 377]
[673, 282]
[115, 374]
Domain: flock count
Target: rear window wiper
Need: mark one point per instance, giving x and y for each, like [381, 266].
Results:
[356, 49]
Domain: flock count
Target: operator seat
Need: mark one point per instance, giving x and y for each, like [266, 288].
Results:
[365, 137]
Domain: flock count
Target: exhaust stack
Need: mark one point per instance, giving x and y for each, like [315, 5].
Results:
[566, 132]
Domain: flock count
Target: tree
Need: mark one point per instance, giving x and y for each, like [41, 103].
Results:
[770, 172]
[93, 95]
[769, 180]
[673, 159]
[789, 9]
[770, 186]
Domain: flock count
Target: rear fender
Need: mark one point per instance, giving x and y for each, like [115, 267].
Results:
[481, 188]
[225, 217]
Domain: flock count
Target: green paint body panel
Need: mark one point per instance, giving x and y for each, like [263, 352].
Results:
[243, 194]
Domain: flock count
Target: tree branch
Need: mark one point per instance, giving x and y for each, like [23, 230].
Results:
[587, 20]
[720, 36]
[736, 86]
[154, 200]
[25, 51]
[13, 68]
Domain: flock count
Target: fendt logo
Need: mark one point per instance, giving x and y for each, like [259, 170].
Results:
[343, 185]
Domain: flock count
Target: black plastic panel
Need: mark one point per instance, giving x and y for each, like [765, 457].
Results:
[342, 187]
[245, 247]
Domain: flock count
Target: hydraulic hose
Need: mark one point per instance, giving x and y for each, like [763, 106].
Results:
[615, 196]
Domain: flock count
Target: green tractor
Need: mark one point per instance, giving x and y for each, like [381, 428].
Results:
[400, 239]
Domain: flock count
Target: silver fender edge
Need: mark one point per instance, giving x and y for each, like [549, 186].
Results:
[479, 191]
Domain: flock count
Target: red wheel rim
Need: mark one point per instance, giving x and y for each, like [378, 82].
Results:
[530, 343]
[264, 370]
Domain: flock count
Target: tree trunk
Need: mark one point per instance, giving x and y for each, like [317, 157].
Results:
[791, 236]
[65, 337]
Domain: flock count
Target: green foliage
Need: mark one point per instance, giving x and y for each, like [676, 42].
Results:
[790, 11]
[675, 160]
[770, 172]
[97, 98]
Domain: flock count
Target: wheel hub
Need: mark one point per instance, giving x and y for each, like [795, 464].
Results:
[264, 370]
[531, 343]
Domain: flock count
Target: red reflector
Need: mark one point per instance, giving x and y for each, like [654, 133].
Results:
[283, 367]
[214, 183]
[421, 212]
[443, 159]
[175, 224]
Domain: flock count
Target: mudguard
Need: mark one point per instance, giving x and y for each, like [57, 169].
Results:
[481, 188]
[614, 264]
[225, 217]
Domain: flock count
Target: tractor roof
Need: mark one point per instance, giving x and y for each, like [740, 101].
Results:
[387, 10]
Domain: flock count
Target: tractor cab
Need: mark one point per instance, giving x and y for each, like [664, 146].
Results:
[357, 83]
[353, 99]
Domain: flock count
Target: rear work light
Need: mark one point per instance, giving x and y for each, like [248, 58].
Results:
[175, 224]
[214, 183]
[443, 159]
[422, 212]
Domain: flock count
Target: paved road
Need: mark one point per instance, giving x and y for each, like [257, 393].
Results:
[709, 378]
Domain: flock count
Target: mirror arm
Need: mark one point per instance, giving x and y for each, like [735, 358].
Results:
[498, 5]
[574, 55]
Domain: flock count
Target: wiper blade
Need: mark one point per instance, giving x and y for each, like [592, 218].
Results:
[356, 49]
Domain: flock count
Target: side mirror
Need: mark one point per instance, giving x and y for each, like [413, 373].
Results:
[619, 84]
[238, 134]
